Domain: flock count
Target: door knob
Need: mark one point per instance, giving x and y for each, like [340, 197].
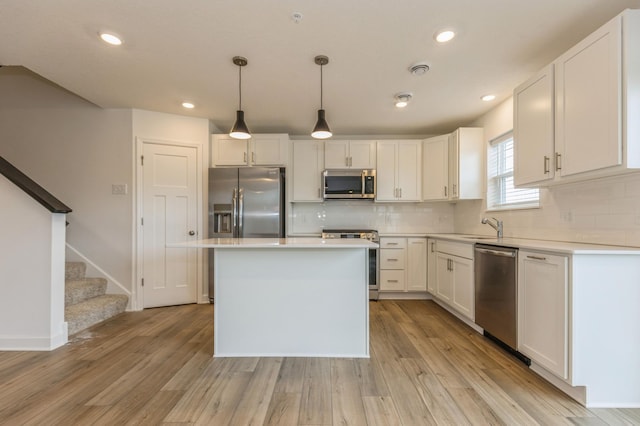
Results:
[192, 233]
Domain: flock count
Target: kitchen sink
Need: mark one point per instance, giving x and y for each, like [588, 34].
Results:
[472, 237]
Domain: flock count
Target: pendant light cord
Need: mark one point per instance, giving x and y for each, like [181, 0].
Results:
[321, 86]
[240, 88]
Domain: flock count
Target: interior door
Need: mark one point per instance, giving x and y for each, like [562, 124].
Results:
[169, 214]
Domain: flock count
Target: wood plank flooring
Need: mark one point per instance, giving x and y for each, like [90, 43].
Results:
[156, 367]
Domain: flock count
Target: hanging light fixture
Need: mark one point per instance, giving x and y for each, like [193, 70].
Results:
[321, 129]
[240, 129]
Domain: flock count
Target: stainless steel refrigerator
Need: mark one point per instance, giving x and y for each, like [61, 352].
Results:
[245, 202]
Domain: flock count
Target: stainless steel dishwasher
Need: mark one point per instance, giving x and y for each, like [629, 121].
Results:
[495, 284]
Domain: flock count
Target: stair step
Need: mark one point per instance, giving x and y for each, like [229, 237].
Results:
[75, 270]
[93, 311]
[79, 290]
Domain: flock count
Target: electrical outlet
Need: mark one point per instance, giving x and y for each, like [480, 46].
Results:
[568, 216]
[119, 189]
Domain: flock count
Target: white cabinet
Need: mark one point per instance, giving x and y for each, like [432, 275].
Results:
[466, 159]
[533, 132]
[435, 168]
[403, 264]
[260, 150]
[453, 165]
[596, 104]
[308, 164]
[543, 288]
[399, 171]
[350, 154]
[454, 276]
[431, 265]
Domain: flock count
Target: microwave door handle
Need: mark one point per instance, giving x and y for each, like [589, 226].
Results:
[363, 183]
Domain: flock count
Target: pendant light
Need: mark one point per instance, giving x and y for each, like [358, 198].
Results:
[321, 129]
[240, 129]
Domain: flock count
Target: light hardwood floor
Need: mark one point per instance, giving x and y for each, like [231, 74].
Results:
[156, 367]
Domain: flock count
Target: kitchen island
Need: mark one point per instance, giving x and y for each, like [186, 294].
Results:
[290, 297]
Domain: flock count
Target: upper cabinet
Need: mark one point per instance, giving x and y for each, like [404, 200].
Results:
[533, 128]
[260, 150]
[435, 168]
[350, 154]
[308, 163]
[398, 175]
[596, 91]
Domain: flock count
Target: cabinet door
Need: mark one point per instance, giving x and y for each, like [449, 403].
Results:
[229, 152]
[362, 154]
[444, 278]
[408, 170]
[588, 90]
[417, 264]
[453, 164]
[542, 310]
[385, 173]
[435, 168]
[269, 150]
[336, 154]
[533, 131]
[431, 266]
[463, 288]
[308, 159]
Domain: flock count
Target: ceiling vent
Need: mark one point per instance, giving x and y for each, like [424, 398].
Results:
[419, 69]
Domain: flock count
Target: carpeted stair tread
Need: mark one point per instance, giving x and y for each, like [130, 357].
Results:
[92, 311]
[75, 270]
[79, 290]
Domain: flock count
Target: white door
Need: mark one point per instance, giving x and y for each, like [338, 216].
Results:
[169, 214]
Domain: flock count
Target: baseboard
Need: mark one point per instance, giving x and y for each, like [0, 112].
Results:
[400, 295]
[96, 270]
[27, 343]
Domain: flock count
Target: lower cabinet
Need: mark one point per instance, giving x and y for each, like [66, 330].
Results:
[454, 276]
[403, 264]
[431, 266]
[543, 288]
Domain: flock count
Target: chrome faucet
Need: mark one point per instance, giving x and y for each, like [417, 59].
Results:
[497, 226]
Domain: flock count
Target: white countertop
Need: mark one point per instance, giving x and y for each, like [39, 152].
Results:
[546, 245]
[311, 243]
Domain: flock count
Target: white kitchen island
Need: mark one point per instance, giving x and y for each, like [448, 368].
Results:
[304, 297]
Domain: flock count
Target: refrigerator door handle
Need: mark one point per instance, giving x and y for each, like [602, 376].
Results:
[234, 212]
[240, 211]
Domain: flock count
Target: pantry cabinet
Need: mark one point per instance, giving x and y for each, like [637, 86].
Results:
[259, 150]
[350, 154]
[399, 171]
[403, 264]
[308, 164]
[596, 104]
[543, 287]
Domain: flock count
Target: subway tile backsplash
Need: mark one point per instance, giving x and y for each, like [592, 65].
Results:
[605, 211]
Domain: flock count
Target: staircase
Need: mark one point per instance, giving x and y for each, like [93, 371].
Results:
[86, 301]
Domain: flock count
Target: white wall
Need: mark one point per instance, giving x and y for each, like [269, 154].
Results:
[31, 273]
[605, 211]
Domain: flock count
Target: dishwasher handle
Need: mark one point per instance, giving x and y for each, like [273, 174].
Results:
[496, 252]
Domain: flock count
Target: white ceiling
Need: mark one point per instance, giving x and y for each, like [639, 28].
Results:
[182, 50]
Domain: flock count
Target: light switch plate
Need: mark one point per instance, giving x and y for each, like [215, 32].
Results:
[119, 189]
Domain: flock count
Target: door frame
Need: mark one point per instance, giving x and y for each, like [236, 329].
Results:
[137, 294]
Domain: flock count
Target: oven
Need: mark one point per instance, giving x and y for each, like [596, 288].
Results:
[367, 234]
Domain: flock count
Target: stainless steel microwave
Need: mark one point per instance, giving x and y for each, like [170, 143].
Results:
[349, 184]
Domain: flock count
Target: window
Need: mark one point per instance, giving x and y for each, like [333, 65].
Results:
[501, 194]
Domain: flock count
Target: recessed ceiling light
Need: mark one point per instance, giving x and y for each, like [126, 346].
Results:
[444, 36]
[188, 105]
[488, 98]
[111, 39]
[402, 99]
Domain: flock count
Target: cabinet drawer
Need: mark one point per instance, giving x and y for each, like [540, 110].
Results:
[395, 243]
[392, 259]
[457, 249]
[392, 280]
